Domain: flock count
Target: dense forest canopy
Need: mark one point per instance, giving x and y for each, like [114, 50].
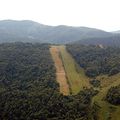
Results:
[96, 60]
[28, 87]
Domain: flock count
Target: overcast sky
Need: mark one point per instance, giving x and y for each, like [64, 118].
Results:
[102, 14]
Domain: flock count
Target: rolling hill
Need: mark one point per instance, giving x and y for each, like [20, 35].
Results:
[30, 31]
[118, 31]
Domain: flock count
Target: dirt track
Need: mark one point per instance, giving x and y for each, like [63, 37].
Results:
[60, 72]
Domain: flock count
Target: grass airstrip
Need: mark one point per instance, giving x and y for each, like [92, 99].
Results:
[72, 79]
[74, 75]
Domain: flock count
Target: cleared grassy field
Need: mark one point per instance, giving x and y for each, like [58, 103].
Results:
[107, 111]
[75, 75]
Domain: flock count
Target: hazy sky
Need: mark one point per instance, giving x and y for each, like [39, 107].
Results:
[102, 14]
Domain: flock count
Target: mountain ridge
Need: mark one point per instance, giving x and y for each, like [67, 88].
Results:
[30, 31]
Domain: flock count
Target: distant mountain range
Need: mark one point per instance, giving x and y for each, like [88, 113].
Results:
[118, 31]
[107, 41]
[30, 31]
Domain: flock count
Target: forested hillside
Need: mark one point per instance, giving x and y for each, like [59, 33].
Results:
[96, 60]
[28, 87]
[106, 41]
[102, 65]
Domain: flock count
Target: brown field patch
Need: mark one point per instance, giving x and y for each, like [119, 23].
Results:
[60, 72]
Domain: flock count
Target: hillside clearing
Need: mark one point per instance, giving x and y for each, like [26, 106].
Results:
[76, 80]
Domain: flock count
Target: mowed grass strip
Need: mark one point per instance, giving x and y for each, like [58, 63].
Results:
[60, 72]
[75, 75]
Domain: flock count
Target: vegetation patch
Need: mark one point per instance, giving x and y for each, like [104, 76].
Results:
[113, 95]
[95, 83]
